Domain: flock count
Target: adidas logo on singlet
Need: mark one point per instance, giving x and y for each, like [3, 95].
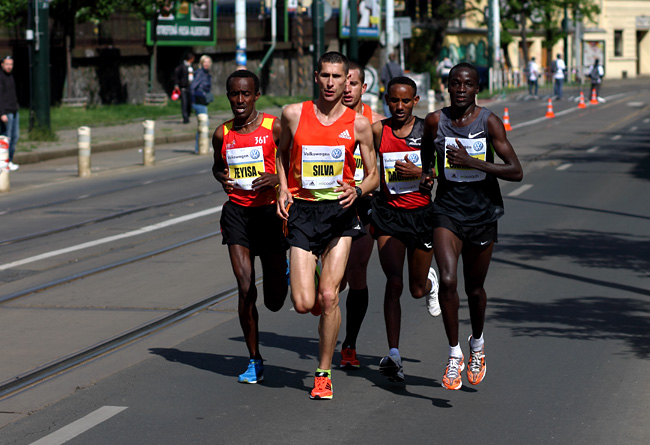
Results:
[345, 135]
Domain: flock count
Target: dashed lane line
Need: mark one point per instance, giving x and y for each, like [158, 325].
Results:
[616, 137]
[564, 166]
[593, 149]
[109, 239]
[80, 426]
[519, 190]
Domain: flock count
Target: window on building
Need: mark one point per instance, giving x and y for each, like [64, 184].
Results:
[618, 43]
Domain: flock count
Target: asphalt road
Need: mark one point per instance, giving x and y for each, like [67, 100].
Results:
[566, 333]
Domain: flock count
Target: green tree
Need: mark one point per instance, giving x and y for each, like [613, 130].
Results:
[430, 30]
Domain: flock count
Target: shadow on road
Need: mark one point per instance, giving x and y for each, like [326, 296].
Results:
[581, 318]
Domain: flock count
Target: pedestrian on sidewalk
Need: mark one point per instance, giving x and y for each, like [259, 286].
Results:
[532, 71]
[559, 68]
[201, 90]
[596, 74]
[390, 70]
[183, 77]
[9, 118]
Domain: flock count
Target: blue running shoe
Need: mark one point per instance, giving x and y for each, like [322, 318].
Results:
[254, 373]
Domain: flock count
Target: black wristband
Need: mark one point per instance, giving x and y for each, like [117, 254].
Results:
[359, 191]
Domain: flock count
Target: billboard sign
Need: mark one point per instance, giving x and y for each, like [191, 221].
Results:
[368, 16]
[184, 23]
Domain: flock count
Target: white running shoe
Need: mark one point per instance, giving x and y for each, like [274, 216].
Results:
[13, 167]
[432, 297]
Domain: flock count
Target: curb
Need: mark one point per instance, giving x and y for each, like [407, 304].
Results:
[46, 155]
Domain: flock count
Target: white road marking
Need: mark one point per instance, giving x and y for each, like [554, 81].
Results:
[564, 166]
[646, 121]
[519, 190]
[110, 239]
[147, 182]
[83, 197]
[616, 137]
[593, 149]
[80, 426]
[633, 128]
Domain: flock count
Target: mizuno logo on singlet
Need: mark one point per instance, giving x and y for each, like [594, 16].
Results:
[345, 135]
[474, 135]
[415, 141]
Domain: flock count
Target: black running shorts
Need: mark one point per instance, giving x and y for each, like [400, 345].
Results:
[364, 208]
[481, 235]
[313, 224]
[411, 226]
[257, 228]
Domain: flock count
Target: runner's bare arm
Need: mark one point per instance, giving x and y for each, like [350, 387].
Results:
[510, 170]
[269, 179]
[428, 150]
[219, 170]
[363, 135]
[289, 123]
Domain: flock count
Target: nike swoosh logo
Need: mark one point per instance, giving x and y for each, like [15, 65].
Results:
[474, 135]
[483, 243]
[428, 245]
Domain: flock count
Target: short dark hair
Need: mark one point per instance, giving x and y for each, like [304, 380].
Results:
[468, 66]
[352, 65]
[189, 55]
[333, 57]
[403, 80]
[244, 74]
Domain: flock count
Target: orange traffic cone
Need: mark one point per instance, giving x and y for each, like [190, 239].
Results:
[549, 109]
[594, 98]
[582, 100]
[506, 120]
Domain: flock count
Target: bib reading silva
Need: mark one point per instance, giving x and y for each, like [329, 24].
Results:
[321, 155]
[247, 156]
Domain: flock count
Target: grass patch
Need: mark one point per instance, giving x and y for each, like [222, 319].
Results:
[62, 118]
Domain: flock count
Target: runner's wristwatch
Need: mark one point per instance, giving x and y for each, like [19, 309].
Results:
[359, 191]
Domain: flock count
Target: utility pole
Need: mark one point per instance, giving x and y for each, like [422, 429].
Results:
[40, 52]
[240, 34]
[318, 35]
[353, 50]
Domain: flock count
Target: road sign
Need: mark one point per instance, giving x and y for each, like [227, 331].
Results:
[403, 27]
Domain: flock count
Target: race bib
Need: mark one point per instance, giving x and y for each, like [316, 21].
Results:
[358, 173]
[244, 165]
[322, 166]
[395, 183]
[476, 148]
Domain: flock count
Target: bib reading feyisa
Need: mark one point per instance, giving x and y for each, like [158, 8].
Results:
[395, 183]
[476, 148]
[245, 164]
[322, 166]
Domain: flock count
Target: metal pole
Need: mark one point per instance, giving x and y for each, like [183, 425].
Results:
[148, 151]
[204, 143]
[4, 164]
[353, 51]
[83, 143]
[390, 27]
[318, 36]
[41, 85]
[240, 34]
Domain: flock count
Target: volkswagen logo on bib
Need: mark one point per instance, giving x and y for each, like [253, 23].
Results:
[478, 146]
[336, 153]
[414, 158]
[255, 154]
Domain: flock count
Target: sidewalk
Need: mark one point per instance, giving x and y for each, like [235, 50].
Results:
[168, 130]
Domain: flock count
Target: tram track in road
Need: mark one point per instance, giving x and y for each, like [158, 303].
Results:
[96, 270]
[31, 378]
[104, 218]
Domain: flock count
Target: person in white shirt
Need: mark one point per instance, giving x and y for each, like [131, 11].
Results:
[533, 72]
[596, 74]
[559, 68]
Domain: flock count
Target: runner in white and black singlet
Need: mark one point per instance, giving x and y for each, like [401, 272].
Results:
[464, 138]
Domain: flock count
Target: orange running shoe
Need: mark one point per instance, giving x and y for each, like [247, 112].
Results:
[349, 358]
[476, 368]
[451, 379]
[322, 387]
